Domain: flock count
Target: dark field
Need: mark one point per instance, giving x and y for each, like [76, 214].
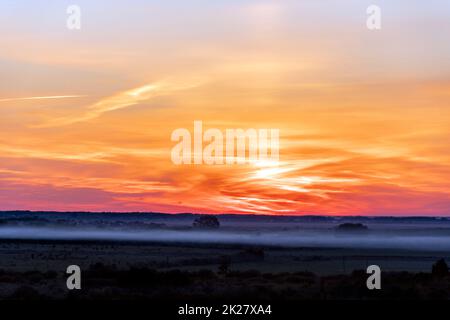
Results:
[268, 259]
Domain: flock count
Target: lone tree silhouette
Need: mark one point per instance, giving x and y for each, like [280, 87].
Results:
[440, 268]
[206, 221]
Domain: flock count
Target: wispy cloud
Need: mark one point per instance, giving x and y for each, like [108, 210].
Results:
[122, 100]
[41, 98]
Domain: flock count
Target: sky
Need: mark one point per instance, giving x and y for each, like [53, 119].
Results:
[86, 115]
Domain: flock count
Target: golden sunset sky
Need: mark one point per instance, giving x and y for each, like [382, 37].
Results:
[364, 116]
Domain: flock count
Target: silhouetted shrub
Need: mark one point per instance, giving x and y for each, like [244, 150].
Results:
[252, 254]
[99, 270]
[26, 293]
[352, 227]
[147, 278]
[224, 264]
[245, 274]
[177, 278]
[206, 274]
[440, 268]
[206, 221]
[137, 277]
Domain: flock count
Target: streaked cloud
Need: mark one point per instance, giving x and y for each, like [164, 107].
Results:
[121, 100]
[41, 98]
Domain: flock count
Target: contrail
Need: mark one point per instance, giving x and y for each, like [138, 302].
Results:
[124, 99]
[41, 98]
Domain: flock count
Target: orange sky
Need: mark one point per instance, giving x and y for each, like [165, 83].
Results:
[86, 116]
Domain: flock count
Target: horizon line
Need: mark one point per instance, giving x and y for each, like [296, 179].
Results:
[232, 214]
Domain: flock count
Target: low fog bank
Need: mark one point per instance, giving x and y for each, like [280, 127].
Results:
[306, 238]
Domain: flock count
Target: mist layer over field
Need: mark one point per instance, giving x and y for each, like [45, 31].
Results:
[414, 233]
[326, 238]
